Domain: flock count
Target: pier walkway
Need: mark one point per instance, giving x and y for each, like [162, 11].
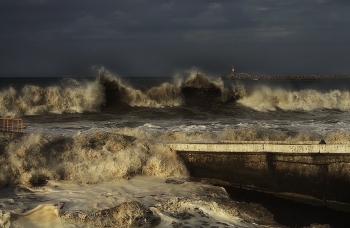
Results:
[264, 146]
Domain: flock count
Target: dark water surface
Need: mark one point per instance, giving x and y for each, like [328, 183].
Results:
[195, 103]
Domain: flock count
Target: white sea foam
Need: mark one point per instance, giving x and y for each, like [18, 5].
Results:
[173, 202]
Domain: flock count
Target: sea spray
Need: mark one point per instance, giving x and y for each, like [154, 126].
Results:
[144, 132]
[261, 134]
[86, 158]
[34, 100]
[202, 81]
[199, 88]
[99, 156]
[229, 134]
[118, 92]
[109, 90]
[233, 135]
[166, 94]
[265, 98]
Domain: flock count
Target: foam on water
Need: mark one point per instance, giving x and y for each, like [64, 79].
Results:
[92, 179]
[128, 203]
[83, 170]
[98, 157]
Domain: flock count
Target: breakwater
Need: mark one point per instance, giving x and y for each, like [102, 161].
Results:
[318, 174]
[244, 76]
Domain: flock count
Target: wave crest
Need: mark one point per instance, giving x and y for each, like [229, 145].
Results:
[32, 100]
[269, 99]
[86, 158]
[118, 93]
[202, 81]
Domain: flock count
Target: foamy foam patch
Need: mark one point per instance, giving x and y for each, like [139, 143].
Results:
[269, 99]
[44, 215]
[141, 201]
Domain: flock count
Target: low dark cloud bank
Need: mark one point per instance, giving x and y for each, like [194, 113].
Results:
[158, 38]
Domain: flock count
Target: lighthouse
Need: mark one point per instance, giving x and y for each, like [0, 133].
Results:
[232, 70]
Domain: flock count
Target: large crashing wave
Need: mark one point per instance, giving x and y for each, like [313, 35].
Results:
[75, 97]
[86, 158]
[196, 89]
[270, 99]
[117, 93]
[108, 90]
[199, 89]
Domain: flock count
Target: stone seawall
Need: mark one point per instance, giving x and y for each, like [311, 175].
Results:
[316, 174]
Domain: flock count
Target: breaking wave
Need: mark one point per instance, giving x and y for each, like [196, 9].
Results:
[86, 158]
[270, 99]
[109, 91]
[195, 89]
[118, 93]
[75, 98]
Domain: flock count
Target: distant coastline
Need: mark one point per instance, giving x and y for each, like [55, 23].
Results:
[244, 76]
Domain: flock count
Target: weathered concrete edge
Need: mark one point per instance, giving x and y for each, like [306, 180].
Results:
[260, 147]
[314, 174]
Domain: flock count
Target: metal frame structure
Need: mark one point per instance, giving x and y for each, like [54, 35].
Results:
[12, 125]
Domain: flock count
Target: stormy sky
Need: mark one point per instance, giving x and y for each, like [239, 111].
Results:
[159, 37]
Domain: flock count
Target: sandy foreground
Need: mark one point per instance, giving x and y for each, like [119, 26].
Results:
[141, 201]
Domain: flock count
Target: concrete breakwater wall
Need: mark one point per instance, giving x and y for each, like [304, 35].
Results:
[243, 76]
[313, 173]
[277, 147]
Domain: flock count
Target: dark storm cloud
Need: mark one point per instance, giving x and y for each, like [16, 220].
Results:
[157, 38]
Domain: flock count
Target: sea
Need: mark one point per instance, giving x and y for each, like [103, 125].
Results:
[94, 153]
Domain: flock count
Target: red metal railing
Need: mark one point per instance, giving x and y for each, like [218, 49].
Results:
[12, 125]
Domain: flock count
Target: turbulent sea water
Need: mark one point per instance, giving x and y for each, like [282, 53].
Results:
[94, 151]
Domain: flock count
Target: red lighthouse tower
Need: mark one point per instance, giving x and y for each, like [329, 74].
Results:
[232, 70]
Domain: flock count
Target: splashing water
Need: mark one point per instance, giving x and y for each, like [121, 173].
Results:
[269, 99]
